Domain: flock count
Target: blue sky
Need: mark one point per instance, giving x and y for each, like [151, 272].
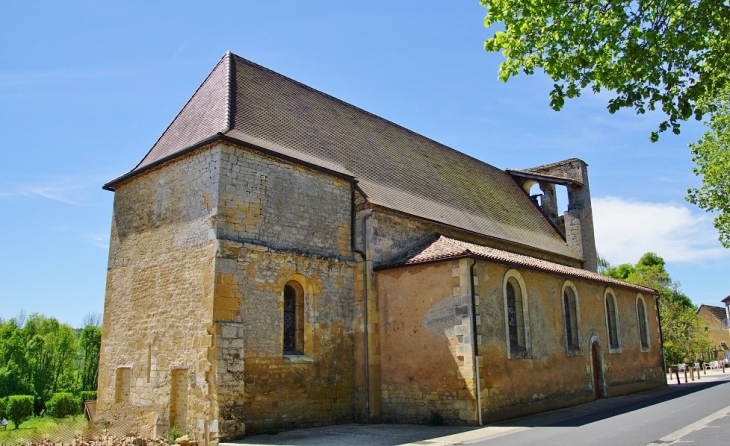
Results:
[86, 87]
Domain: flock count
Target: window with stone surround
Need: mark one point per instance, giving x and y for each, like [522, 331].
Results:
[642, 323]
[570, 315]
[293, 319]
[612, 326]
[518, 333]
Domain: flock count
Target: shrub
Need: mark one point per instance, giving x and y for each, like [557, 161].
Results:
[19, 408]
[175, 433]
[62, 405]
[3, 408]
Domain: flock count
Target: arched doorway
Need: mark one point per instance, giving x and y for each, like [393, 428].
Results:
[596, 368]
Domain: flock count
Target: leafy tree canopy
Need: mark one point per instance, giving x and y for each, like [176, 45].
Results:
[711, 155]
[683, 330]
[655, 55]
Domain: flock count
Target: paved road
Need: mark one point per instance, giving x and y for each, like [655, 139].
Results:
[696, 413]
[687, 415]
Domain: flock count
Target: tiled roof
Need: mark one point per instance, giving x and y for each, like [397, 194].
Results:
[727, 299]
[395, 167]
[443, 248]
[717, 312]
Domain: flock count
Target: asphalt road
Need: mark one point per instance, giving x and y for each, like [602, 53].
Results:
[699, 414]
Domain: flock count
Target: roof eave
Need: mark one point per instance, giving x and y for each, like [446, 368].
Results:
[476, 256]
[110, 186]
[224, 138]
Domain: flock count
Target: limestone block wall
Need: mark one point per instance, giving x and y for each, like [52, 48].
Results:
[425, 343]
[159, 299]
[392, 233]
[269, 202]
[280, 224]
[552, 376]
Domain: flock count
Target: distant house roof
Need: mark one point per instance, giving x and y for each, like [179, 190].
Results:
[726, 300]
[445, 248]
[395, 167]
[717, 312]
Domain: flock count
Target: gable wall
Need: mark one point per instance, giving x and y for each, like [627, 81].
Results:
[159, 298]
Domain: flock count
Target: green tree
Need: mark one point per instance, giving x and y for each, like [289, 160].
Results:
[14, 367]
[19, 408]
[89, 344]
[672, 56]
[50, 351]
[654, 55]
[711, 154]
[682, 329]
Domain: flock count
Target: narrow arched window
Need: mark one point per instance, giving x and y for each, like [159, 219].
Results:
[293, 318]
[290, 319]
[571, 319]
[612, 321]
[641, 315]
[515, 317]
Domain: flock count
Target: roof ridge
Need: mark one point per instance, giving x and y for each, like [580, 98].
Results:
[389, 122]
[180, 113]
[230, 88]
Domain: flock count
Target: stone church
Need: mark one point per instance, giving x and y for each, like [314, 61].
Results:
[283, 259]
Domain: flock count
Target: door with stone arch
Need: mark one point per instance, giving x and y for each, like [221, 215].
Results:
[596, 369]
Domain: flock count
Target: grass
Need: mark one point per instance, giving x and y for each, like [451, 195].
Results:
[38, 428]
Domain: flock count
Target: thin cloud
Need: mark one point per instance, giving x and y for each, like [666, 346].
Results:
[100, 241]
[626, 229]
[66, 190]
[60, 194]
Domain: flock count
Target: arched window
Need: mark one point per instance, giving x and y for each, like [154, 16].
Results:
[641, 315]
[515, 320]
[612, 320]
[518, 334]
[293, 319]
[570, 310]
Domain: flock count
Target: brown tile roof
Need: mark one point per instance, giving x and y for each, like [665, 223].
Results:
[717, 312]
[725, 300]
[444, 248]
[395, 167]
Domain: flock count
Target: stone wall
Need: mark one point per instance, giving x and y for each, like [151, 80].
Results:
[391, 233]
[425, 343]
[416, 362]
[280, 223]
[552, 376]
[159, 299]
[714, 330]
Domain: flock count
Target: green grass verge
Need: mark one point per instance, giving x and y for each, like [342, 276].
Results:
[39, 428]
